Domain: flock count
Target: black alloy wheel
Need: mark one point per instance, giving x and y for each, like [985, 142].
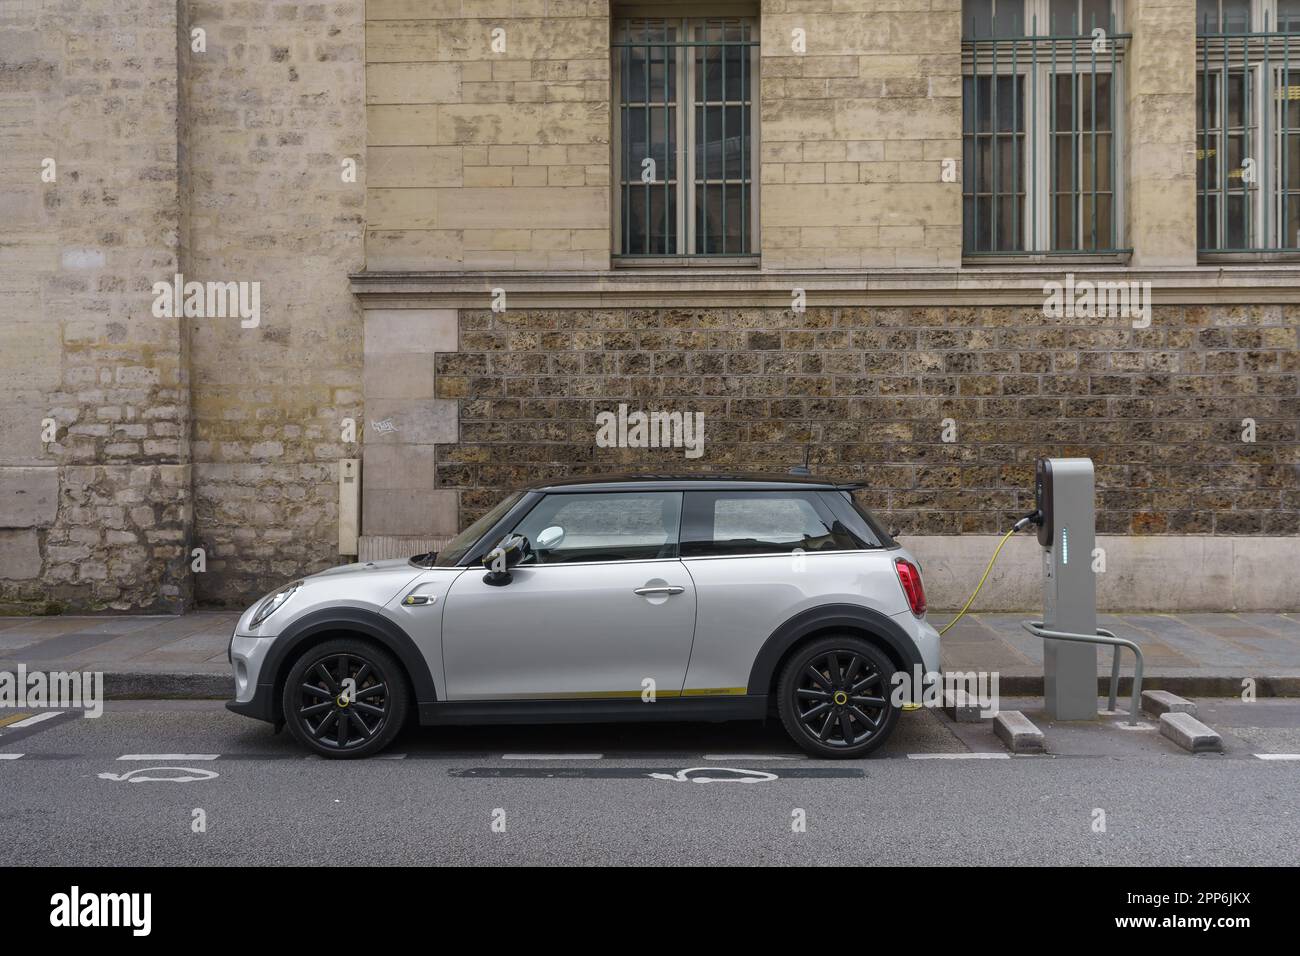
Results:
[834, 697]
[345, 698]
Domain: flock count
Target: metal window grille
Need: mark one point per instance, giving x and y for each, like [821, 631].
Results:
[1041, 127]
[684, 146]
[1248, 127]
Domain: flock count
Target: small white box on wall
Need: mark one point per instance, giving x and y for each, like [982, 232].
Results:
[349, 504]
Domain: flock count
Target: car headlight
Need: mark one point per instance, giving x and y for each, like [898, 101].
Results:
[272, 603]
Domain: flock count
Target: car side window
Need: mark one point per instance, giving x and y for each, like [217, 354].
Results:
[614, 526]
[760, 522]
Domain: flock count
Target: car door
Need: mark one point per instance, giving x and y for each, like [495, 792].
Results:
[601, 607]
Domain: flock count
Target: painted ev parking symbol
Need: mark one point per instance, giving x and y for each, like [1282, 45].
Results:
[694, 775]
[178, 775]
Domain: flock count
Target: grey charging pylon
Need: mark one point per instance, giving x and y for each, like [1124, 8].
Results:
[1064, 491]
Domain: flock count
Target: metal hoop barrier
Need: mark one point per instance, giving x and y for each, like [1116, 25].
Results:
[1102, 636]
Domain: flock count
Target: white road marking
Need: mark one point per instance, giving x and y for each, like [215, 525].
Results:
[742, 758]
[191, 775]
[685, 776]
[36, 719]
[10, 756]
[390, 756]
[1278, 756]
[160, 757]
[974, 756]
[552, 756]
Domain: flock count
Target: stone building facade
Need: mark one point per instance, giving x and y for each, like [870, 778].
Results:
[429, 195]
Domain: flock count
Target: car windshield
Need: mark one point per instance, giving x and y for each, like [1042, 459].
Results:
[457, 547]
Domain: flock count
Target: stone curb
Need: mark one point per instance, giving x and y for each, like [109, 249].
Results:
[1184, 685]
[1018, 732]
[164, 686]
[1157, 702]
[1190, 734]
[964, 711]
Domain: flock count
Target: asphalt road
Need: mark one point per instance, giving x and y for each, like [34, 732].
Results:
[582, 795]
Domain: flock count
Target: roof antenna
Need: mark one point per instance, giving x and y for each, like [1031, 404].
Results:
[802, 469]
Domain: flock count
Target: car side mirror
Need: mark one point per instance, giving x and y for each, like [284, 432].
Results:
[498, 562]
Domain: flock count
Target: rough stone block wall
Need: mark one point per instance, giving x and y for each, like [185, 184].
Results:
[98, 517]
[275, 107]
[1160, 410]
[854, 131]
[483, 158]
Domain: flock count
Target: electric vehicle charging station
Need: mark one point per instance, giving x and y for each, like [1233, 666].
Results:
[1063, 495]
[1064, 490]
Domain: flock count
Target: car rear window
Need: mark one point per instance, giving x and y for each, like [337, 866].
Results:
[860, 519]
[720, 523]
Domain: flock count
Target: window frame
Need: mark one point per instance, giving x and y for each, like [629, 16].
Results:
[1265, 136]
[1259, 12]
[1034, 12]
[1251, 134]
[1037, 237]
[685, 106]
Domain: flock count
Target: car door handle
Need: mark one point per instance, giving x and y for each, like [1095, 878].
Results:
[666, 589]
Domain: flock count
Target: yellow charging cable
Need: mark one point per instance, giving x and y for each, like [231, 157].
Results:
[982, 580]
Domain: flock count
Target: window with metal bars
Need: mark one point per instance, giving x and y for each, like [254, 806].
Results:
[1042, 127]
[1248, 127]
[685, 152]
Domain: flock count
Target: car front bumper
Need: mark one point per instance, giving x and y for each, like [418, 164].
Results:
[254, 690]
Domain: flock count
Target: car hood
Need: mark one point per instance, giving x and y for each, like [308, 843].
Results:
[366, 567]
[369, 585]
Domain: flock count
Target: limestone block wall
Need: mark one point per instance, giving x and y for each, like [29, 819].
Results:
[275, 107]
[406, 421]
[854, 131]
[222, 158]
[95, 506]
[488, 135]
[1161, 161]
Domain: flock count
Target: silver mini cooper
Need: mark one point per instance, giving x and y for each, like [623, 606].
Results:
[626, 598]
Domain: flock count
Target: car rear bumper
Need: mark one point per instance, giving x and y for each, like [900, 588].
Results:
[925, 637]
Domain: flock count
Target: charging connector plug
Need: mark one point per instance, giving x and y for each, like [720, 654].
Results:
[1034, 517]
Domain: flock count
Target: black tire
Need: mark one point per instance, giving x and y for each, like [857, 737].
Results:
[324, 720]
[833, 697]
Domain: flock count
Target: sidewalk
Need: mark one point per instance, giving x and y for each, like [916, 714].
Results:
[1192, 654]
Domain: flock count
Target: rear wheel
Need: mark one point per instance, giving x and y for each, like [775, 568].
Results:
[345, 698]
[833, 696]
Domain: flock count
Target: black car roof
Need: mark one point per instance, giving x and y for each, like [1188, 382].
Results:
[691, 482]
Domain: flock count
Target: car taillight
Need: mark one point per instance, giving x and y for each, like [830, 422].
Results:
[909, 576]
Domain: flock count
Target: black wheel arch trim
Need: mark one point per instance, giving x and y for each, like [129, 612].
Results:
[360, 621]
[828, 617]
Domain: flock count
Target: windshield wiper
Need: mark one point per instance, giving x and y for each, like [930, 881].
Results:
[424, 560]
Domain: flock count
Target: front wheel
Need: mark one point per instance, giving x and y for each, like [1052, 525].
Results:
[345, 698]
[833, 697]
